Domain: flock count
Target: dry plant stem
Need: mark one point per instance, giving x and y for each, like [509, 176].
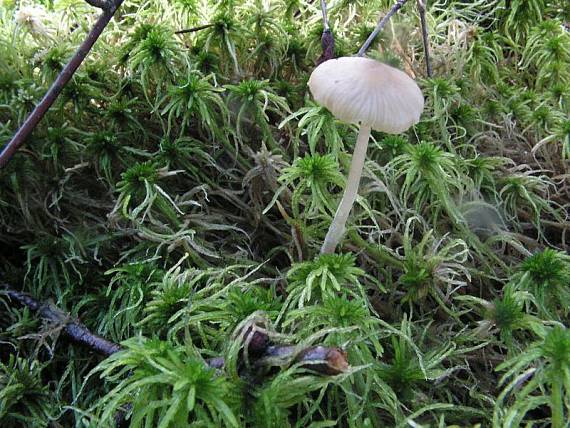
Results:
[62, 79]
[320, 359]
[327, 38]
[338, 225]
[74, 329]
[380, 26]
[422, 12]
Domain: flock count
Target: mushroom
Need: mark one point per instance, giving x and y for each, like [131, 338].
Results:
[374, 95]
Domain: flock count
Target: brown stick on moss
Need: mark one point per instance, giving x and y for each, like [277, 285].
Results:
[76, 331]
[320, 359]
[109, 8]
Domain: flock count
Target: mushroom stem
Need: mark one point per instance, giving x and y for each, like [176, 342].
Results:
[337, 227]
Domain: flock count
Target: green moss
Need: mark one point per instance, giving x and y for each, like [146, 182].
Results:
[175, 197]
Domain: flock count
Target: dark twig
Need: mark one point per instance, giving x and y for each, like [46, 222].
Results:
[380, 27]
[192, 30]
[423, 23]
[327, 39]
[320, 359]
[76, 331]
[62, 79]
[327, 42]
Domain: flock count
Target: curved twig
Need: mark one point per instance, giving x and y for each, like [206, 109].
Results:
[320, 359]
[76, 331]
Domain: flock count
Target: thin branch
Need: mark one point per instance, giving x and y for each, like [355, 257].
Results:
[192, 30]
[62, 79]
[327, 39]
[423, 23]
[324, 13]
[320, 359]
[327, 43]
[76, 331]
[380, 26]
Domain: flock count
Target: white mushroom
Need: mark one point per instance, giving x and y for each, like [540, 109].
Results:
[376, 96]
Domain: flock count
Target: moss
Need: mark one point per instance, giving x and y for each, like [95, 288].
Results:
[176, 195]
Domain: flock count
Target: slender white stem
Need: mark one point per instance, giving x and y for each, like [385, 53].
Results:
[337, 227]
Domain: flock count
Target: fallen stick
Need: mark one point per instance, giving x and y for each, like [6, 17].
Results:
[76, 331]
[320, 359]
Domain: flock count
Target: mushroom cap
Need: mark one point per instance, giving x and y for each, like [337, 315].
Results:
[362, 90]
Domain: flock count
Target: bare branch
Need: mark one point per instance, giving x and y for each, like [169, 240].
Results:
[327, 43]
[327, 39]
[422, 12]
[62, 79]
[320, 359]
[76, 331]
[380, 26]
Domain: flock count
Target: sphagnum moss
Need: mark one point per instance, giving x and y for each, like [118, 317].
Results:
[176, 196]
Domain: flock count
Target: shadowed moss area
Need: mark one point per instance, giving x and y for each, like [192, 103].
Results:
[174, 200]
